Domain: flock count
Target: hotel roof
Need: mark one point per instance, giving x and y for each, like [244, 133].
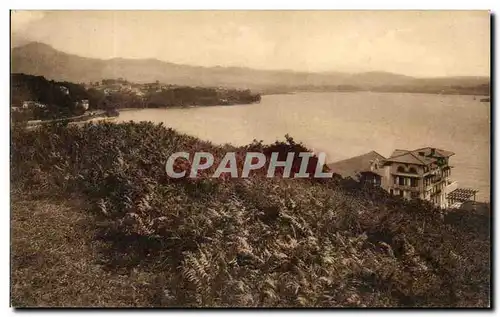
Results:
[422, 156]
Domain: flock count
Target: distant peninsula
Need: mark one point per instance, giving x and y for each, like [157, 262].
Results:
[37, 98]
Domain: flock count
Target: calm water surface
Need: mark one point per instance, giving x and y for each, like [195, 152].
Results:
[349, 124]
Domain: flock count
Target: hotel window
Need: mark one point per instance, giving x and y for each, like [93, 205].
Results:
[413, 182]
[401, 169]
[413, 170]
[401, 181]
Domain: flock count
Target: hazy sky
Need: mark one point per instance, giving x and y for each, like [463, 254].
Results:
[418, 43]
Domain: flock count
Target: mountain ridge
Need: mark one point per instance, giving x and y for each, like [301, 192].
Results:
[36, 58]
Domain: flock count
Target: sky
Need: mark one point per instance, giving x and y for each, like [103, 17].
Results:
[415, 43]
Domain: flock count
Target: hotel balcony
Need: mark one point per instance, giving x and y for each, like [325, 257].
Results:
[406, 187]
[446, 169]
[437, 181]
[437, 192]
[450, 186]
[406, 174]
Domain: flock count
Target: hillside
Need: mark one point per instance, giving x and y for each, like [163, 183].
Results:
[150, 240]
[43, 60]
[38, 88]
[61, 98]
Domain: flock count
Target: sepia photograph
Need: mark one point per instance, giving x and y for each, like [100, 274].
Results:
[257, 159]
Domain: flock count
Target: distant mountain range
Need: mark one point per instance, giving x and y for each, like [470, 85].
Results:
[43, 60]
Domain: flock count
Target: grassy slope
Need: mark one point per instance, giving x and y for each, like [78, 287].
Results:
[206, 242]
[56, 260]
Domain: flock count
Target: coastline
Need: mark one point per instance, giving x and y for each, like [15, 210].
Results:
[182, 107]
[295, 93]
[372, 91]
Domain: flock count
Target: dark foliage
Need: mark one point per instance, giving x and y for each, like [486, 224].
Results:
[194, 96]
[37, 88]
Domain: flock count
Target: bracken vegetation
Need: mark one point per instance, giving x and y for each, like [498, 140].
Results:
[255, 242]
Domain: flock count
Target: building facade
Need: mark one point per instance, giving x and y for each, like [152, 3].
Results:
[422, 173]
[28, 104]
[83, 104]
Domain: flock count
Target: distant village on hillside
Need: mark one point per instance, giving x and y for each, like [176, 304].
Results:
[34, 97]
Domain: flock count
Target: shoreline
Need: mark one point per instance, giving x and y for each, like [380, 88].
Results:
[292, 93]
[371, 91]
[295, 93]
[182, 107]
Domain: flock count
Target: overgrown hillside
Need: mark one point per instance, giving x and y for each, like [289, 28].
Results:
[256, 241]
